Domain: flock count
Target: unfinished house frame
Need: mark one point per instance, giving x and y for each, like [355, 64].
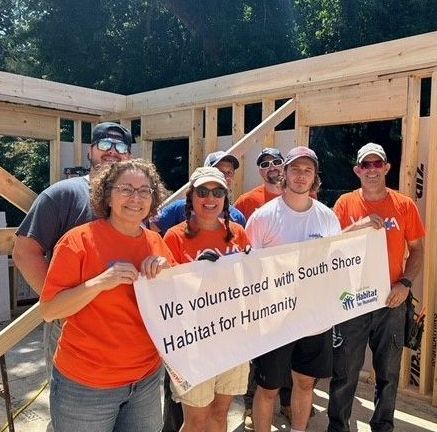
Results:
[372, 83]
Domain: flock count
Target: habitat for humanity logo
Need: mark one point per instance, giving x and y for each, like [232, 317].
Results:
[349, 300]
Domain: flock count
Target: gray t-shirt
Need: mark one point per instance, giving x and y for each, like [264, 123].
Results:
[56, 210]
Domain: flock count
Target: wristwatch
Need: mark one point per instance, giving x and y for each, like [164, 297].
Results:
[406, 282]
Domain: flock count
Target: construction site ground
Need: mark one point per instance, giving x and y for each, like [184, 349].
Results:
[30, 397]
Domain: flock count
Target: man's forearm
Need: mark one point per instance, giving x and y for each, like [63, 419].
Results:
[31, 262]
[414, 263]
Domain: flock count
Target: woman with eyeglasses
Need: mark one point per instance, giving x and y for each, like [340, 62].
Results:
[206, 406]
[106, 369]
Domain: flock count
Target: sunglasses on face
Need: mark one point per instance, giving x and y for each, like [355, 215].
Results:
[107, 144]
[203, 192]
[128, 190]
[372, 164]
[274, 163]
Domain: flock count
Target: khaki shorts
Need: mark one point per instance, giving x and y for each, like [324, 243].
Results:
[232, 382]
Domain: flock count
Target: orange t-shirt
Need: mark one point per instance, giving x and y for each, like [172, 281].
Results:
[401, 217]
[248, 202]
[105, 344]
[186, 249]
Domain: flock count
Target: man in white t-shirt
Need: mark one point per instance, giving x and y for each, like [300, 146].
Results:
[293, 217]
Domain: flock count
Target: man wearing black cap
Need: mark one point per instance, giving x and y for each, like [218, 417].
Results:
[270, 165]
[375, 205]
[291, 218]
[174, 213]
[59, 208]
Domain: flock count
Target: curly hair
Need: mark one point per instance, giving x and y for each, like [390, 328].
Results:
[314, 187]
[190, 232]
[101, 185]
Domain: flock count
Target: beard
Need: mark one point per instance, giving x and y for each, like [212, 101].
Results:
[299, 191]
[273, 178]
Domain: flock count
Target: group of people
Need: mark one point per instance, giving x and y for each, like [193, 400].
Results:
[84, 243]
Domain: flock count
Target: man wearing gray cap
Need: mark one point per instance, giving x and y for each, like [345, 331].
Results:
[57, 209]
[292, 217]
[375, 205]
[174, 213]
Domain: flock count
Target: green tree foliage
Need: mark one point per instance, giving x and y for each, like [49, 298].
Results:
[325, 26]
[128, 46]
[28, 161]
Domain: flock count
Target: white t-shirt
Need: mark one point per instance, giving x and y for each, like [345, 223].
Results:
[275, 223]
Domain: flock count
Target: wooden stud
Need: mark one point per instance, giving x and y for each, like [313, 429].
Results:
[237, 134]
[210, 130]
[55, 156]
[268, 106]
[141, 142]
[78, 154]
[147, 150]
[145, 144]
[430, 270]
[407, 179]
[302, 135]
[410, 143]
[195, 141]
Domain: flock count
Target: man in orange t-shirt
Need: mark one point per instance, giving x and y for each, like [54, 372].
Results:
[270, 164]
[380, 207]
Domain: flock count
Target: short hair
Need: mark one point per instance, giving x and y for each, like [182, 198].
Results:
[101, 185]
[314, 187]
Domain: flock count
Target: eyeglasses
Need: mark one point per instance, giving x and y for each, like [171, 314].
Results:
[128, 190]
[273, 162]
[372, 164]
[203, 192]
[107, 144]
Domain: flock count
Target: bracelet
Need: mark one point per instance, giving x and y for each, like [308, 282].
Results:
[406, 282]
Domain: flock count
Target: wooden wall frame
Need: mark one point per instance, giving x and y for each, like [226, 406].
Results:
[376, 82]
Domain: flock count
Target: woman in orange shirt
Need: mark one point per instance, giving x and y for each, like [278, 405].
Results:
[206, 406]
[106, 368]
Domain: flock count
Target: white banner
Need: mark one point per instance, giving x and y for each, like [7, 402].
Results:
[207, 317]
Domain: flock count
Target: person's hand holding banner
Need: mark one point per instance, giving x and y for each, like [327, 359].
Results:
[197, 313]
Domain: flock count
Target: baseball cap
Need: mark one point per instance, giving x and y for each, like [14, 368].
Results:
[299, 152]
[369, 149]
[214, 158]
[204, 175]
[103, 130]
[268, 151]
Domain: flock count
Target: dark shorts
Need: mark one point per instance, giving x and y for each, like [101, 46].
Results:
[311, 356]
